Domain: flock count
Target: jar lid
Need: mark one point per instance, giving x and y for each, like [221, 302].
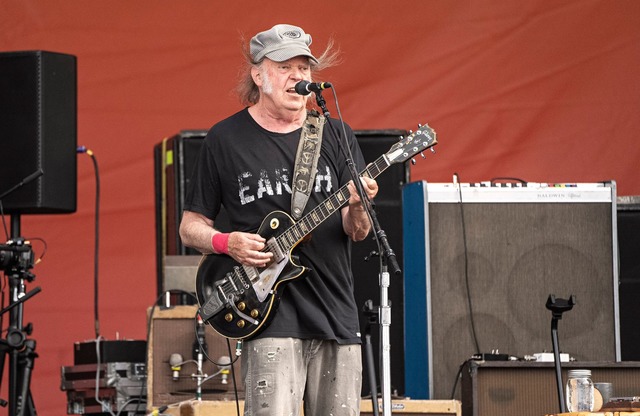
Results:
[579, 373]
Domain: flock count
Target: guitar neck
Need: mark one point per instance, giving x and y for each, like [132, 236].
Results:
[294, 234]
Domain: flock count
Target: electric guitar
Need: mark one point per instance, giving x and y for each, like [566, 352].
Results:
[239, 301]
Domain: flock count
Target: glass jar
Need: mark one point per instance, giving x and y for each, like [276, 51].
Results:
[579, 391]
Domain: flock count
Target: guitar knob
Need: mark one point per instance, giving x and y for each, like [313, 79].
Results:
[241, 323]
[255, 313]
[228, 317]
[242, 306]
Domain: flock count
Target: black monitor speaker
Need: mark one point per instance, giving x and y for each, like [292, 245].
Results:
[38, 131]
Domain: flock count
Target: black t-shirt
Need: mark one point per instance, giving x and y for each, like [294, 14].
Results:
[249, 170]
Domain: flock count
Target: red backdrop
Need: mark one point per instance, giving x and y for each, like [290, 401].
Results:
[546, 91]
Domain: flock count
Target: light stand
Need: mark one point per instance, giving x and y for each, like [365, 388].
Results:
[557, 307]
[387, 257]
[20, 349]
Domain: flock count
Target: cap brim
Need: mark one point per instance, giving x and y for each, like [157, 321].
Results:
[284, 54]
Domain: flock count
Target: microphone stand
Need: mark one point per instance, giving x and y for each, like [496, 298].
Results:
[557, 307]
[387, 258]
[199, 349]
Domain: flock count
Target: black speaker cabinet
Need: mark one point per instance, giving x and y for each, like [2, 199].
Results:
[629, 241]
[38, 128]
[175, 158]
[530, 389]
[173, 332]
[478, 274]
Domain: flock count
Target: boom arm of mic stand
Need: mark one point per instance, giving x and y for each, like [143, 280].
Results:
[344, 147]
[322, 104]
[387, 253]
[21, 300]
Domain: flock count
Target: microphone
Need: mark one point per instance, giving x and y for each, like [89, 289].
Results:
[305, 87]
[175, 361]
[224, 363]
[35, 175]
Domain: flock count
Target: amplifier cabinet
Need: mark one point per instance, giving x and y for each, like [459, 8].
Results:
[173, 332]
[529, 388]
[629, 241]
[481, 262]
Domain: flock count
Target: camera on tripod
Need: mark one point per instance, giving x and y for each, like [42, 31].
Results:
[16, 256]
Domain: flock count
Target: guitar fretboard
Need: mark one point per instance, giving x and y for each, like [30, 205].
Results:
[294, 234]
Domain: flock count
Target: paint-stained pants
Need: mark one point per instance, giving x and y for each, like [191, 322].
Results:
[279, 373]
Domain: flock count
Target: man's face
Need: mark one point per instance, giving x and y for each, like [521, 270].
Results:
[277, 80]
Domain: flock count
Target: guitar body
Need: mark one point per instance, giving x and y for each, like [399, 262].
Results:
[214, 269]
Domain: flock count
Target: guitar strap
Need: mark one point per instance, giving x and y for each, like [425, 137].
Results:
[307, 156]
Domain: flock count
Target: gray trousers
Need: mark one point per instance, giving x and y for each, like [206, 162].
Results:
[280, 373]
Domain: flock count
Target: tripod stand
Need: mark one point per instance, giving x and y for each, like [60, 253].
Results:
[17, 261]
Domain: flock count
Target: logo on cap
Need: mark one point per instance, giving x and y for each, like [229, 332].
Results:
[293, 34]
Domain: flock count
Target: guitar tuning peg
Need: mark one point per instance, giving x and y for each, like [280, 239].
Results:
[433, 150]
[413, 161]
[422, 154]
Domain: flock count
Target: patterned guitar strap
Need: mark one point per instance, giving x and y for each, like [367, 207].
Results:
[306, 162]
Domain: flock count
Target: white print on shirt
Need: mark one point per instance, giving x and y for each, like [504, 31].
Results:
[326, 178]
[274, 184]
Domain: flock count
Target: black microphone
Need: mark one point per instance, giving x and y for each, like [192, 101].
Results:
[35, 175]
[305, 87]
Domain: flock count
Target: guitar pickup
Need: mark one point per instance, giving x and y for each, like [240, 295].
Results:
[274, 247]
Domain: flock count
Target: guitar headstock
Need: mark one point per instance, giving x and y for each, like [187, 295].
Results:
[416, 142]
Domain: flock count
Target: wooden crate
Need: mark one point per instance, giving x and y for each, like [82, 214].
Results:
[404, 407]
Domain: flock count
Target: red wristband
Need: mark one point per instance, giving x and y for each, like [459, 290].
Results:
[220, 243]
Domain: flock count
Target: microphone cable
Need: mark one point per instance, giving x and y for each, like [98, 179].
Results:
[463, 225]
[466, 264]
[88, 152]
